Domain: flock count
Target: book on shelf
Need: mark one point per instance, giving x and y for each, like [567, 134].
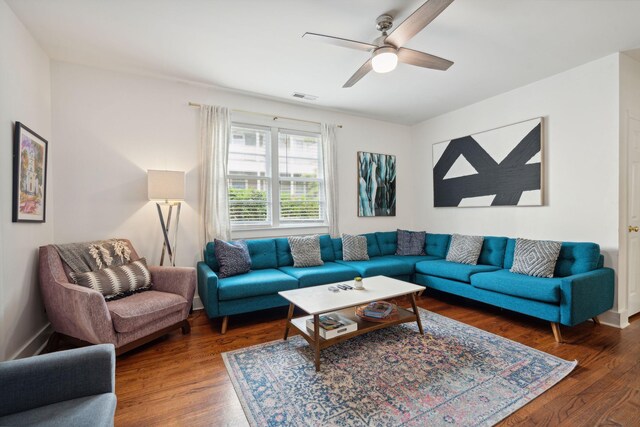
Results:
[378, 309]
[333, 325]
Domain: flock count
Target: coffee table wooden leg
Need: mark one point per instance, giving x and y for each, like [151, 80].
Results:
[316, 340]
[417, 313]
[289, 317]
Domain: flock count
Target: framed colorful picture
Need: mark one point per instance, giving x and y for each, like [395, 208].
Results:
[29, 175]
[376, 184]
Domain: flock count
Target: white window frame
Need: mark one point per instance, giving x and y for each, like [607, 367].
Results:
[273, 205]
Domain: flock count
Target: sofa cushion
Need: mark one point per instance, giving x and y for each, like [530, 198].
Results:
[411, 243]
[233, 258]
[118, 281]
[372, 245]
[135, 311]
[411, 259]
[328, 273]
[385, 266]
[337, 247]
[519, 285]
[535, 257]
[493, 249]
[354, 248]
[452, 270]
[437, 244]
[387, 242]
[574, 258]
[283, 250]
[97, 410]
[465, 249]
[263, 253]
[255, 283]
[305, 251]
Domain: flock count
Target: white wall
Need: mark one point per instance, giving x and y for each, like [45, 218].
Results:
[581, 110]
[111, 127]
[25, 96]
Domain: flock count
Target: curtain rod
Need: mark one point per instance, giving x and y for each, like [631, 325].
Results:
[195, 104]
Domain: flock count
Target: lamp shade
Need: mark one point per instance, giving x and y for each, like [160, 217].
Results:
[165, 185]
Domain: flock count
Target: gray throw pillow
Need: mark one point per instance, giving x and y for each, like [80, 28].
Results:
[465, 249]
[535, 257]
[305, 251]
[354, 248]
[411, 242]
[233, 257]
[116, 282]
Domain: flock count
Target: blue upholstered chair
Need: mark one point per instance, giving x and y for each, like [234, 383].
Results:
[67, 388]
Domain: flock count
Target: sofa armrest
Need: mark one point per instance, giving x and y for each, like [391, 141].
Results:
[51, 378]
[208, 289]
[586, 295]
[176, 280]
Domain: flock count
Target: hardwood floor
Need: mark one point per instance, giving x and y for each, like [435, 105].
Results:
[182, 380]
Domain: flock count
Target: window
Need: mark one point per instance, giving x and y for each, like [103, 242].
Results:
[275, 177]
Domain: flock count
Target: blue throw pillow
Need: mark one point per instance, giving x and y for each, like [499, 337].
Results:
[411, 242]
[233, 258]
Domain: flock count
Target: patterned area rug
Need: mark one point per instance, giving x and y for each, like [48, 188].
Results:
[454, 375]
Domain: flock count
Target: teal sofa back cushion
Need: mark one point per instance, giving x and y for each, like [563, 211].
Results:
[574, 258]
[387, 242]
[283, 250]
[437, 244]
[493, 250]
[337, 247]
[372, 245]
[263, 253]
[210, 257]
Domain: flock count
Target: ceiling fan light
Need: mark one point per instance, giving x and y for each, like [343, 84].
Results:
[384, 59]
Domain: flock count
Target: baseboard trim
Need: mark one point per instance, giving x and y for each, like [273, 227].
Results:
[617, 319]
[36, 344]
[197, 303]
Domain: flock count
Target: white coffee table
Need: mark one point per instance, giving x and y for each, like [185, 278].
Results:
[317, 300]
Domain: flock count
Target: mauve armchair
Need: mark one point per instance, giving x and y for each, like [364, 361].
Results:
[82, 315]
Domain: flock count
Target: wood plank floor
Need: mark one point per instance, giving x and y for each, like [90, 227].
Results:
[181, 380]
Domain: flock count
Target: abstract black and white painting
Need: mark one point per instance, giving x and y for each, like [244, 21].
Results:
[376, 184]
[499, 167]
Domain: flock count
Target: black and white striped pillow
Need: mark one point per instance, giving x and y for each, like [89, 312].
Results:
[116, 282]
[535, 257]
[354, 248]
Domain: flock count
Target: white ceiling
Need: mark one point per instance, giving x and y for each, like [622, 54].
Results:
[256, 45]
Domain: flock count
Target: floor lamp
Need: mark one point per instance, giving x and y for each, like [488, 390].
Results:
[167, 189]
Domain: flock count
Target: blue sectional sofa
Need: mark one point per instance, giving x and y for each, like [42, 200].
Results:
[581, 288]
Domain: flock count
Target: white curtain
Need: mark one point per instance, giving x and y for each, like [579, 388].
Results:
[215, 128]
[330, 161]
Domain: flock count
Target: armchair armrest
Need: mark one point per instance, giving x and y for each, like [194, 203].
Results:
[208, 289]
[175, 280]
[586, 295]
[51, 378]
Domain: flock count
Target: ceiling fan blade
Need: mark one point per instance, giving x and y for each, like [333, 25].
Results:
[337, 41]
[421, 59]
[417, 21]
[362, 71]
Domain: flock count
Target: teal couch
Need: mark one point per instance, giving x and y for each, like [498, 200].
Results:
[581, 288]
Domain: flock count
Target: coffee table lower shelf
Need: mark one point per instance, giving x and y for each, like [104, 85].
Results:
[364, 326]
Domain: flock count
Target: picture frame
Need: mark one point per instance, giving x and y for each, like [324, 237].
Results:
[30, 155]
[376, 184]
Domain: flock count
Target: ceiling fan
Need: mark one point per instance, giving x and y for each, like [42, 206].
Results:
[387, 50]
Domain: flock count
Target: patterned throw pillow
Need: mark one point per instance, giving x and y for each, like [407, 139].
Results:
[305, 251]
[465, 249]
[116, 282]
[411, 242]
[535, 257]
[354, 248]
[233, 257]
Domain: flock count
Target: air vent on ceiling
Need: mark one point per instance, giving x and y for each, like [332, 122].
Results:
[304, 96]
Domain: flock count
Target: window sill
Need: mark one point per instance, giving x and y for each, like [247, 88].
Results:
[281, 231]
